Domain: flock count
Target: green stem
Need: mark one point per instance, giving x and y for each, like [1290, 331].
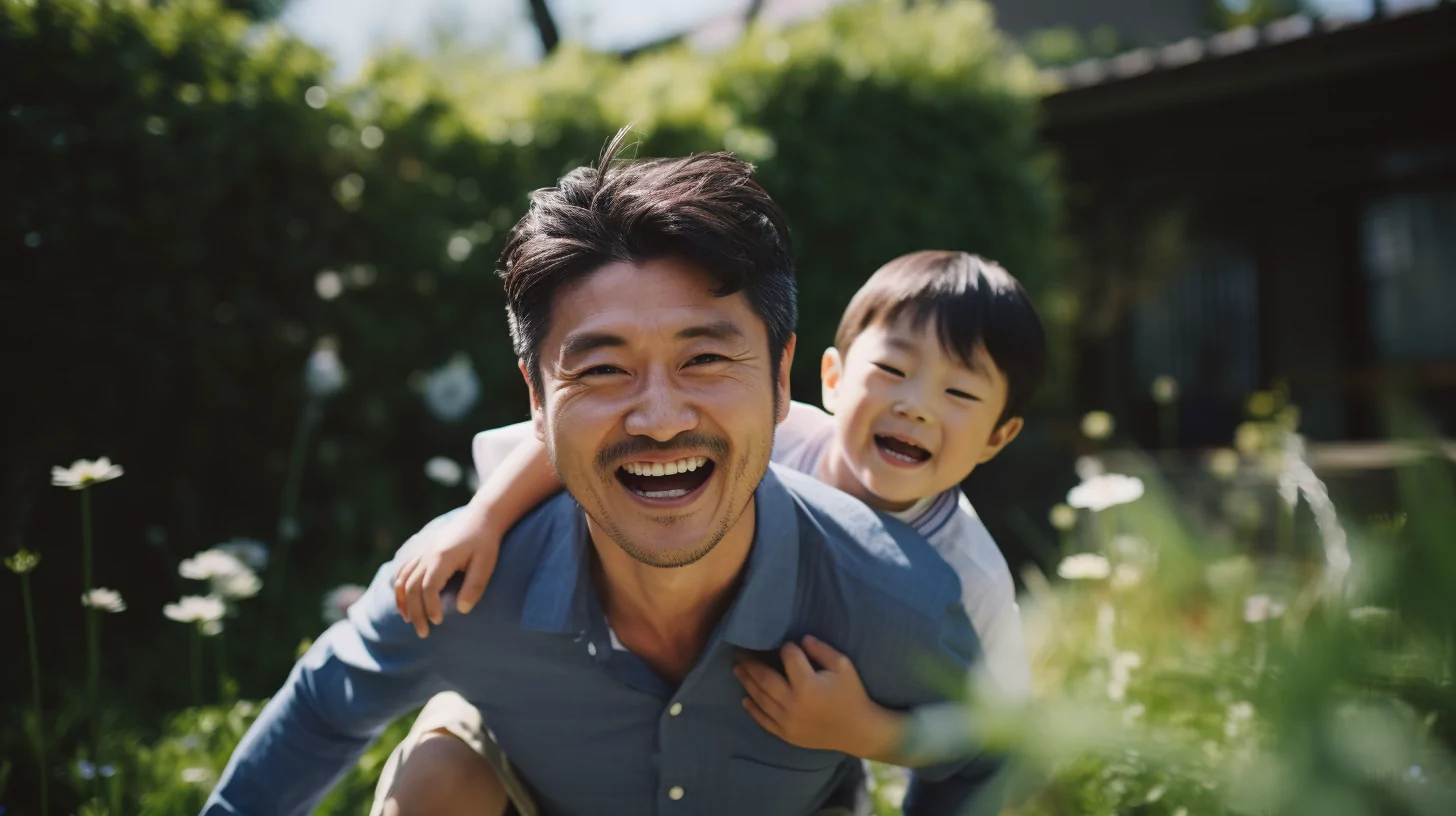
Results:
[1168, 426]
[196, 665]
[40, 751]
[221, 667]
[292, 487]
[93, 636]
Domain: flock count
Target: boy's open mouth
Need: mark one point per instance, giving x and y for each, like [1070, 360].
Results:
[666, 480]
[900, 450]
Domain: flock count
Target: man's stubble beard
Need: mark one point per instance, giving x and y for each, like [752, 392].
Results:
[675, 558]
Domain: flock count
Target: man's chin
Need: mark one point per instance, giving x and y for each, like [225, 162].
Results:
[681, 552]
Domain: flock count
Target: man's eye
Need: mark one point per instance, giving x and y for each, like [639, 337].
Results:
[962, 395]
[601, 370]
[890, 369]
[704, 359]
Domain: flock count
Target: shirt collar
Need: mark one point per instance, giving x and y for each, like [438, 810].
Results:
[561, 596]
[553, 602]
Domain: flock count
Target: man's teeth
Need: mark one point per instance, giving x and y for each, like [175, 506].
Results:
[687, 465]
[661, 494]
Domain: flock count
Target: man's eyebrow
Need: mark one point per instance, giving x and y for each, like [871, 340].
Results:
[583, 342]
[720, 330]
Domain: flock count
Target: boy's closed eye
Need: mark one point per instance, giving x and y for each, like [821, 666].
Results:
[889, 369]
[959, 394]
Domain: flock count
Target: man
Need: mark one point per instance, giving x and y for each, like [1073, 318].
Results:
[652, 306]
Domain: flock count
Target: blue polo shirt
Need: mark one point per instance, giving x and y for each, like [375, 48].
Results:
[594, 730]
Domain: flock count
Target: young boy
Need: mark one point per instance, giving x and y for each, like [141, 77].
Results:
[932, 367]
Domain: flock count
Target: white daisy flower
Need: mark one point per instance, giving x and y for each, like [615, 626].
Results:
[1259, 608]
[453, 389]
[196, 609]
[1084, 567]
[444, 471]
[83, 473]
[103, 599]
[324, 373]
[1104, 491]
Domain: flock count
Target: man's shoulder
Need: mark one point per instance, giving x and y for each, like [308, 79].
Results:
[886, 562]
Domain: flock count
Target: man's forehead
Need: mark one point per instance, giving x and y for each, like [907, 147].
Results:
[622, 304]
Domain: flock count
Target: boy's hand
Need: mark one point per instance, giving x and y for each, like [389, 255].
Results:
[461, 546]
[825, 708]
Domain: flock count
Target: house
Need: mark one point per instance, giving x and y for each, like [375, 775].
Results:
[1262, 206]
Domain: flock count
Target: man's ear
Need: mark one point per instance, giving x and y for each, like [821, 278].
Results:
[786, 363]
[1001, 437]
[538, 415]
[831, 368]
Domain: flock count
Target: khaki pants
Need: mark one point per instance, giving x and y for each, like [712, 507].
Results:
[451, 712]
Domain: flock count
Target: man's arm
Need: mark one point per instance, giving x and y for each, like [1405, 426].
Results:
[360, 675]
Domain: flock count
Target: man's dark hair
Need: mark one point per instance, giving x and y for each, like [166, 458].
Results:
[973, 302]
[705, 210]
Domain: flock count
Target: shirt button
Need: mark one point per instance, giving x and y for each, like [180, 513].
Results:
[675, 709]
[591, 649]
[675, 792]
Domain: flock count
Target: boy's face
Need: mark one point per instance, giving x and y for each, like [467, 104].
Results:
[910, 419]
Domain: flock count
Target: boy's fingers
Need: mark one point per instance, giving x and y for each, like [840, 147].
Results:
[772, 683]
[477, 575]
[761, 717]
[433, 583]
[766, 700]
[416, 591]
[796, 664]
[401, 583]
[826, 655]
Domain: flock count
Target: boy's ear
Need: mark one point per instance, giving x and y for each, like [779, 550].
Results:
[831, 368]
[1001, 437]
[786, 362]
[538, 417]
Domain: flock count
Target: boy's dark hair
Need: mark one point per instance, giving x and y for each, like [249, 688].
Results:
[704, 209]
[973, 302]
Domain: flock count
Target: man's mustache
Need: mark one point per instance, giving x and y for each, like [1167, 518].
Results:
[623, 450]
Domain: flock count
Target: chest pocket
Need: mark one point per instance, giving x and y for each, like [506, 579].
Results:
[757, 789]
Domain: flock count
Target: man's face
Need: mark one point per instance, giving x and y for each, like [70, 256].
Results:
[910, 419]
[657, 406]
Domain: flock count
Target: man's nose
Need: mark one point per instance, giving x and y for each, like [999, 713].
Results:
[662, 410]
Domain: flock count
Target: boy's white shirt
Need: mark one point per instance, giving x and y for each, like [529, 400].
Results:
[946, 520]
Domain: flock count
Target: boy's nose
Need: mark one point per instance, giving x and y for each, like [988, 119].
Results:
[911, 411]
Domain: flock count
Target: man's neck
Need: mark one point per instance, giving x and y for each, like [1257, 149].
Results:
[665, 615]
[833, 469]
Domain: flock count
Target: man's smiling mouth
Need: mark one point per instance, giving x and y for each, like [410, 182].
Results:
[901, 450]
[670, 480]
